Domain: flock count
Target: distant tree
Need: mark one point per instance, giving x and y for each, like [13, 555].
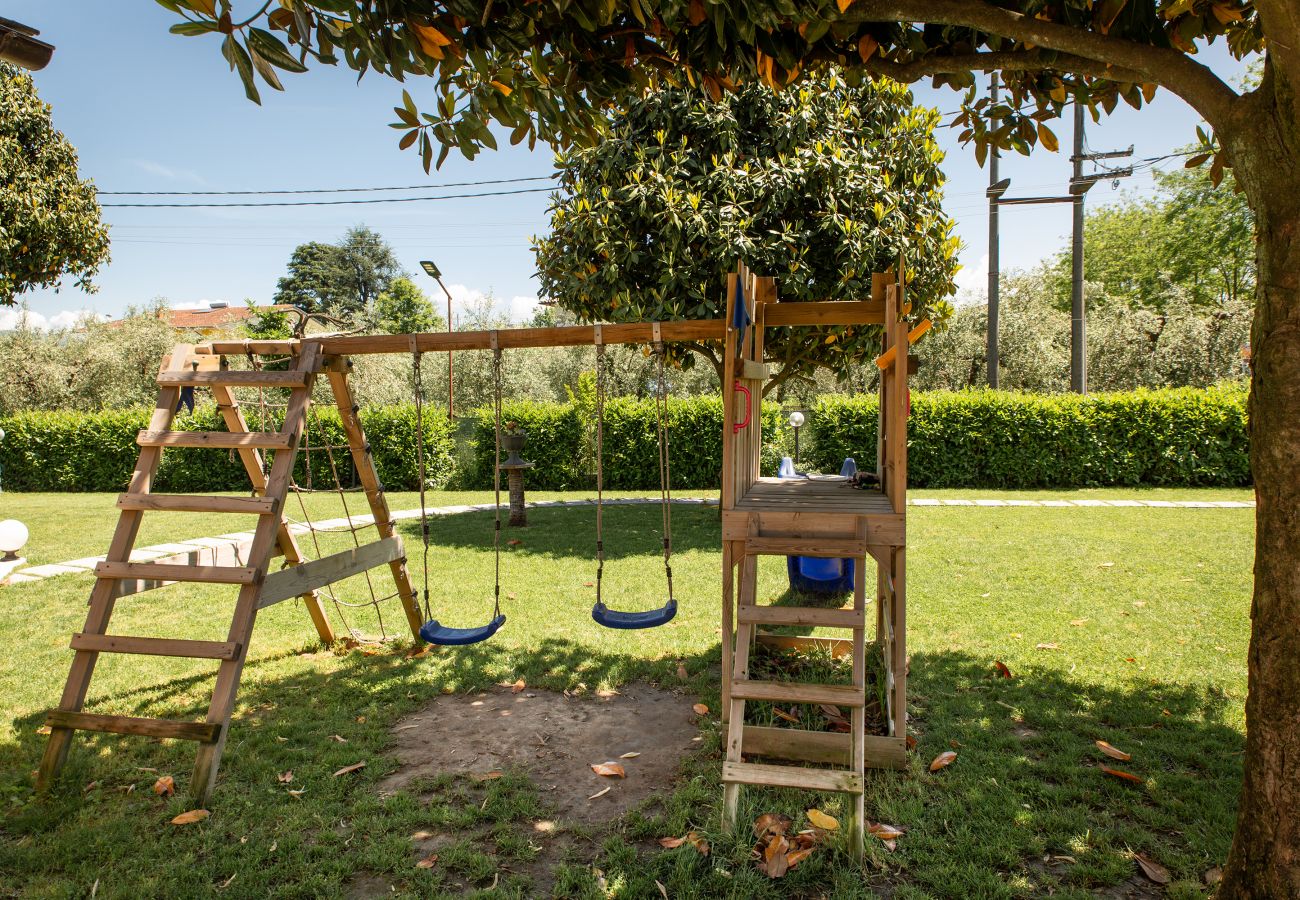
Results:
[820, 186]
[312, 279]
[1193, 240]
[268, 323]
[405, 309]
[49, 219]
[343, 279]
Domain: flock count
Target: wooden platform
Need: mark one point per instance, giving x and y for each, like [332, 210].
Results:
[815, 493]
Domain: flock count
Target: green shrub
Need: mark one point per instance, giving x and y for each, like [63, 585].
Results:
[96, 451]
[555, 445]
[998, 439]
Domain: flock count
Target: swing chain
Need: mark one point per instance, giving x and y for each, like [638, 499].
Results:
[496, 475]
[665, 476]
[417, 380]
[600, 456]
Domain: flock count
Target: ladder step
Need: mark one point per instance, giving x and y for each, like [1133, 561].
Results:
[171, 572]
[221, 440]
[149, 646]
[798, 692]
[233, 378]
[801, 615]
[792, 777]
[255, 506]
[204, 732]
[807, 546]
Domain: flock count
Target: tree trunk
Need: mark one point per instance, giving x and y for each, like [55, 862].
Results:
[1265, 859]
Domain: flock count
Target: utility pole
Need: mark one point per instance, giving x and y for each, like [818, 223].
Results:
[434, 273]
[1078, 323]
[994, 273]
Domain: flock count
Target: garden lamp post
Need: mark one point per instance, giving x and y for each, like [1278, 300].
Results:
[436, 275]
[796, 422]
[2, 468]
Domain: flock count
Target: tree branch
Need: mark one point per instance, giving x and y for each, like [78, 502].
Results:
[1172, 69]
[1008, 61]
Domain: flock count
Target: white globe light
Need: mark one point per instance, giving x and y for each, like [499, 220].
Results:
[796, 419]
[13, 536]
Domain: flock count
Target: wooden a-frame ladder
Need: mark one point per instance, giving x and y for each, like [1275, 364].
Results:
[118, 576]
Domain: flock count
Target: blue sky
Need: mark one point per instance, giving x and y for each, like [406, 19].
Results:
[148, 110]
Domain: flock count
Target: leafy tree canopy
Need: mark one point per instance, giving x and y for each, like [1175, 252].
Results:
[343, 279]
[49, 218]
[820, 185]
[404, 309]
[1190, 240]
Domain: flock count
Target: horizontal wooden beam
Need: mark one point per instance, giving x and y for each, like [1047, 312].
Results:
[204, 732]
[234, 378]
[836, 647]
[168, 572]
[792, 777]
[798, 692]
[825, 747]
[253, 506]
[819, 313]
[152, 646]
[308, 576]
[220, 440]
[801, 615]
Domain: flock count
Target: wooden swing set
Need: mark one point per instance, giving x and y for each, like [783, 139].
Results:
[814, 516]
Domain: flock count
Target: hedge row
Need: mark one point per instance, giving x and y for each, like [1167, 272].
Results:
[996, 439]
[77, 451]
[985, 439]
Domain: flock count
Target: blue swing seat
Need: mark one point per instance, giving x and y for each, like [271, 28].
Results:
[436, 633]
[612, 618]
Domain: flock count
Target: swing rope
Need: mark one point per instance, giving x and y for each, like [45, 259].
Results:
[602, 614]
[433, 631]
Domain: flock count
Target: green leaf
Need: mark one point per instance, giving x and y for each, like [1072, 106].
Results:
[239, 61]
[273, 51]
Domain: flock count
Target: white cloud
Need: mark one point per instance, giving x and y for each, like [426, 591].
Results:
[192, 304]
[468, 303]
[68, 318]
[973, 283]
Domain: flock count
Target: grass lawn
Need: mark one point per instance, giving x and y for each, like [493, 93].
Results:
[1142, 616]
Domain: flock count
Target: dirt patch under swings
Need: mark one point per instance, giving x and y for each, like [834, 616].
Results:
[554, 739]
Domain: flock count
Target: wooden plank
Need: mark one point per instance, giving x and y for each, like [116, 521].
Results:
[812, 524]
[235, 378]
[220, 440]
[801, 615]
[165, 572]
[823, 747]
[898, 665]
[150, 646]
[823, 312]
[836, 647]
[830, 548]
[792, 777]
[309, 576]
[203, 732]
[798, 692]
[255, 506]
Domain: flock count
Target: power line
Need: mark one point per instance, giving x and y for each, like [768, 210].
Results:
[322, 202]
[354, 190]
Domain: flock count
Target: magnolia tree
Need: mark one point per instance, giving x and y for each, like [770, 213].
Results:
[821, 185]
[550, 70]
[49, 218]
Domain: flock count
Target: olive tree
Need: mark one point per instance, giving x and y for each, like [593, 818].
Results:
[49, 217]
[550, 70]
[820, 185]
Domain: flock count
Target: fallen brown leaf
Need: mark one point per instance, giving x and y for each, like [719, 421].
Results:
[699, 843]
[1047, 646]
[943, 759]
[609, 769]
[1152, 869]
[349, 769]
[338, 738]
[1120, 773]
[298, 793]
[1212, 876]
[600, 793]
[514, 542]
[681, 671]
[797, 856]
[1113, 752]
[1078, 622]
[663, 891]
[422, 835]
[1003, 671]
[44, 729]
[485, 776]
[773, 823]
[518, 686]
[671, 843]
[700, 709]
[831, 712]
[428, 862]
[775, 861]
[165, 786]
[911, 742]
[883, 831]
[285, 777]
[418, 652]
[1105, 565]
[783, 715]
[631, 755]
[188, 818]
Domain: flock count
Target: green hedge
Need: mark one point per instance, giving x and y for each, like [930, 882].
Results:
[77, 451]
[987, 439]
[996, 439]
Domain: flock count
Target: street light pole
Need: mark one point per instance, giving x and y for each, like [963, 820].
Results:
[436, 275]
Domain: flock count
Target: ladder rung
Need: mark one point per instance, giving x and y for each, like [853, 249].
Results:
[149, 646]
[792, 777]
[798, 692]
[256, 506]
[824, 547]
[221, 440]
[205, 732]
[801, 615]
[233, 378]
[171, 572]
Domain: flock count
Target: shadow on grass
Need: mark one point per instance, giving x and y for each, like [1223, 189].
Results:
[570, 532]
[1027, 784]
